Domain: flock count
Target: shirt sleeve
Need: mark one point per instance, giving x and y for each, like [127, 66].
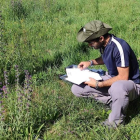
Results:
[122, 54]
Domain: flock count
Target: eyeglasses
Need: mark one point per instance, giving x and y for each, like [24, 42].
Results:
[90, 42]
[94, 40]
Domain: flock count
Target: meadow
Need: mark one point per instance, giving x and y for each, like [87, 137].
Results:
[37, 42]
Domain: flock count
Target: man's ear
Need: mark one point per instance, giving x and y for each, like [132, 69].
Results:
[101, 39]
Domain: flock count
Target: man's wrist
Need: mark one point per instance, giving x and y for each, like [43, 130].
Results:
[97, 86]
[91, 62]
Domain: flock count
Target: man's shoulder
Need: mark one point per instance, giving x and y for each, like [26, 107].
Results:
[119, 42]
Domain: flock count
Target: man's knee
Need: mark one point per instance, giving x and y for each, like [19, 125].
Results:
[118, 89]
[76, 90]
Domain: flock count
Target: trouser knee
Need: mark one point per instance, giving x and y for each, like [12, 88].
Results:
[118, 90]
[76, 90]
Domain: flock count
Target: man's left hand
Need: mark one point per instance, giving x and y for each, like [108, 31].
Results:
[91, 82]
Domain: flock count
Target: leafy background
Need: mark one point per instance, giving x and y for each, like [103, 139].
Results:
[37, 42]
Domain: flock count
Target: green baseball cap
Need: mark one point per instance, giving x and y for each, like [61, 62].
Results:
[92, 30]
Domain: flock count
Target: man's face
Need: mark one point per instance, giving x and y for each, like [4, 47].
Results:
[96, 44]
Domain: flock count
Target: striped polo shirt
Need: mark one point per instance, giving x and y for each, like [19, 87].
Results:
[118, 53]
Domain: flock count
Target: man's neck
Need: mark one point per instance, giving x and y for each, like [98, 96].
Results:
[106, 40]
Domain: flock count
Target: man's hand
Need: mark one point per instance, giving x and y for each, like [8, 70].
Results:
[84, 65]
[91, 82]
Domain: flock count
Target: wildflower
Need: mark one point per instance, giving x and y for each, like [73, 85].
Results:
[16, 66]
[6, 77]
[17, 75]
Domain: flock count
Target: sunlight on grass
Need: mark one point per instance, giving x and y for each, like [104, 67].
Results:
[40, 37]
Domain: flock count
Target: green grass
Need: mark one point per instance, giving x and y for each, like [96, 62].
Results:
[40, 36]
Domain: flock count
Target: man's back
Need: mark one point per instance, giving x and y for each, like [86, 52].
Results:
[118, 53]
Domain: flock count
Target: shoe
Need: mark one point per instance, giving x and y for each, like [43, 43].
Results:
[109, 125]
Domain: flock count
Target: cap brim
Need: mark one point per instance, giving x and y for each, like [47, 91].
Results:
[98, 34]
[82, 37]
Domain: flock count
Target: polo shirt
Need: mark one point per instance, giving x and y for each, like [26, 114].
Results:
[118, 53]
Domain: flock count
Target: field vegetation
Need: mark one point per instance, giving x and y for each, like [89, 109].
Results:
[37, 42]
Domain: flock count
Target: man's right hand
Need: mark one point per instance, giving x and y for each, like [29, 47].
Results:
[84, 65]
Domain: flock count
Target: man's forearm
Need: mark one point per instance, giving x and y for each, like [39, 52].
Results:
[98, 61]
[123, 75]
[109, 82]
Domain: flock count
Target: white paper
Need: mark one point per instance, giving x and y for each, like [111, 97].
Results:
[77, 76]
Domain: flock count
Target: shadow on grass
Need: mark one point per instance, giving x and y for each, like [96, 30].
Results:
[83, 48]
[47, 123]
[59, 56]
[36, 65]
[56, 61]
[133, 110]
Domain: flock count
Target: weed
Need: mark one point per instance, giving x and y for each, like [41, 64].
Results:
[40, 36]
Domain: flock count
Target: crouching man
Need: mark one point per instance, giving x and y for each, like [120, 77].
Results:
[121, 84]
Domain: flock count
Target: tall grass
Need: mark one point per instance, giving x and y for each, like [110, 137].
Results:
[39, 38]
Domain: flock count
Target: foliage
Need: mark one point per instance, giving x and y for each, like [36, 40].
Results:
[38, 38]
